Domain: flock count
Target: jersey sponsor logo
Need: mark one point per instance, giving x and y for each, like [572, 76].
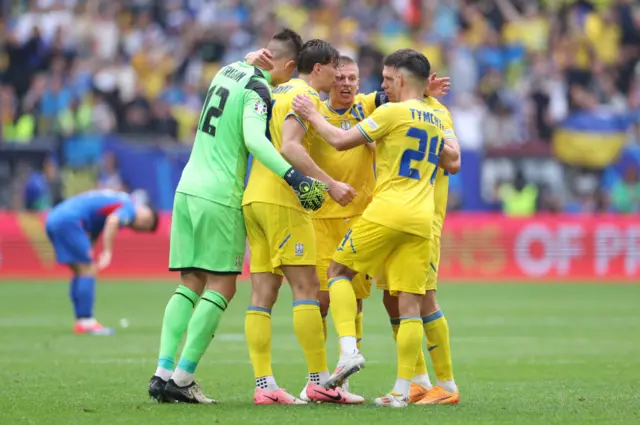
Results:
[345, 124]
[260, 107]
[371, 123]
[299, 249]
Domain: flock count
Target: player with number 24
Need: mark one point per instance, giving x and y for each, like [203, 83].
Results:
[396, 228]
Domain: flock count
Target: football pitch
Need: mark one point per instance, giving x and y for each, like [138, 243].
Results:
[523, 354]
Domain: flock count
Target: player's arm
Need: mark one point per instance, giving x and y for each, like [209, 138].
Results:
[111, 226]
[257, 103]
[123, 216]
[293, 132]
[340, 139]
[450, 158]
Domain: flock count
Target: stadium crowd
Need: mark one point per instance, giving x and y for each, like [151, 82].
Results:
[519, 70]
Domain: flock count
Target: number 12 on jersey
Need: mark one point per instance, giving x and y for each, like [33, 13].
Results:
[211, 111]
[433, 157]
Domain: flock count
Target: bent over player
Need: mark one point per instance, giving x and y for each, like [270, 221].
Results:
[207, 230]
[74, 225]
[395, 229]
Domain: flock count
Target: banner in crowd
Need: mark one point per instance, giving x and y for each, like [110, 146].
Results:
[475, 248]
[591, 139]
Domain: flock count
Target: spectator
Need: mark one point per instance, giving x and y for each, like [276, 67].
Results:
[519, 198]
[625, 193]
[163, 122]
[520, 69]
[43, 189]
[109, 174]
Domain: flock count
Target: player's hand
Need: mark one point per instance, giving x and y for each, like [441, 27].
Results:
[342, 193]
[438, 87]
[304, 107]
[104, 260]
[310, 192]
[261, 58]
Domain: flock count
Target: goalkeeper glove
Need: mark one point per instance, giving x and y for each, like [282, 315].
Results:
[310, 192]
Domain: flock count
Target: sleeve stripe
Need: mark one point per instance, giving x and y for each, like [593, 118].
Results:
[293, 114]
[364, 133]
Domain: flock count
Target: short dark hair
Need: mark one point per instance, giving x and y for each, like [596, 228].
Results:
[346, 60]
[291, 40]
[417, 64]
[411, 60]
[396, 57]
[316, 51]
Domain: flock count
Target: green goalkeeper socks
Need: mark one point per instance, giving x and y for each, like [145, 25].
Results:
[176, 318]
[202, 327]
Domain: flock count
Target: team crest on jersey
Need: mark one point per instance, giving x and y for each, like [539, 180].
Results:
[299, 247]
[345, 124]
[260, 107]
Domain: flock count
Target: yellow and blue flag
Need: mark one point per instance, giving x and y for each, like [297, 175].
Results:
[590, 139]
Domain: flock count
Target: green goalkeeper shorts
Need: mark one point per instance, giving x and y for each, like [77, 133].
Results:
[206, 235]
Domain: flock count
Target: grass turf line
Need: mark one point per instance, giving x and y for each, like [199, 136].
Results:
[523, 354]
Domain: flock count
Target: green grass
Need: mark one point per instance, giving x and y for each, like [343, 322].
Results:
[548, 354]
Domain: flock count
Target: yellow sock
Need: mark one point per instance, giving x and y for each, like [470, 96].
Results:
[359, 328]
[257, 329]
[343, 306]
[421, 365]
[409, 345]
[437, 331]
[307, 324]
[324, 327]
[395, 325]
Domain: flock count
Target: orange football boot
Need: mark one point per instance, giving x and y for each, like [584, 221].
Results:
[417, 393]
[437, 395]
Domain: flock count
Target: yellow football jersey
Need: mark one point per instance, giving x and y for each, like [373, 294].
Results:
[369, 102]
[354, 166]
[441, 190]
[264, 185]
[408, 138]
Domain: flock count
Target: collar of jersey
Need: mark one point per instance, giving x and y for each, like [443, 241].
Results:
[261, 73]
[337, 111]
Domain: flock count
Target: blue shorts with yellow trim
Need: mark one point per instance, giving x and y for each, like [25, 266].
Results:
[278, 236]
[369, 247]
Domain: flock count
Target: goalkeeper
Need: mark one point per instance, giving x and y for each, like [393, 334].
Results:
[207, 230]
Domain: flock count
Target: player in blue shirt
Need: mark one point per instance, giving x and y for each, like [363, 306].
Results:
[73, 227]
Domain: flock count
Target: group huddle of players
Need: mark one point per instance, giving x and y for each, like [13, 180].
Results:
[383, 159]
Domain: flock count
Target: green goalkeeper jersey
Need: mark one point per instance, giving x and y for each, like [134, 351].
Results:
[233, 122]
